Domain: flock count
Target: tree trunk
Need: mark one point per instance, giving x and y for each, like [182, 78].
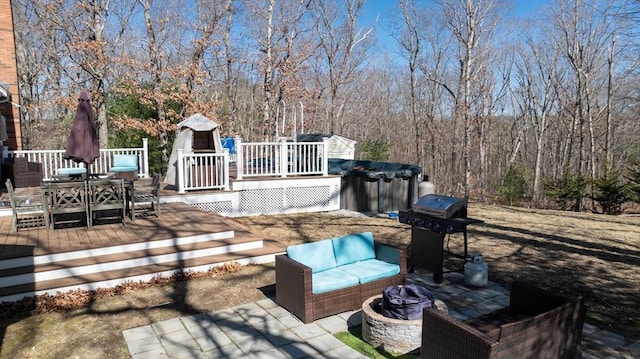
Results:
[156, 76]
[268, 76]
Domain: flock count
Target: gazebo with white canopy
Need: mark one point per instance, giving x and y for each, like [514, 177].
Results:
[195, 134]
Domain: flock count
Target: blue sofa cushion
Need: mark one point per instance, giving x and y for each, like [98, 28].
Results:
[332, 279]
[71, 171]
[353, 248]
[317, 255]
[124, 163]
[123, 169]
[371, 270]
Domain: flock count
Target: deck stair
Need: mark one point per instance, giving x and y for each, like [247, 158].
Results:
[208, 242]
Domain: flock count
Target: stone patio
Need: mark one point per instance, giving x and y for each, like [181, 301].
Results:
[263, 329]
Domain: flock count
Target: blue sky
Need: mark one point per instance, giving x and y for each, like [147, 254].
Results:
[523, 8]
[384, 10]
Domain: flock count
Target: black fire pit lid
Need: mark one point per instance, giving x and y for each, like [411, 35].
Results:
[406, 302]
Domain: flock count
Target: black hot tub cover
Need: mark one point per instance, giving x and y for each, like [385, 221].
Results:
[372, 169]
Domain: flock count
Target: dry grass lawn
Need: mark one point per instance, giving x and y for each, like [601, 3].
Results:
[596, 255]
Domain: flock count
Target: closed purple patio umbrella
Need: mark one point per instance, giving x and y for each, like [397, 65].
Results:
[83, 145]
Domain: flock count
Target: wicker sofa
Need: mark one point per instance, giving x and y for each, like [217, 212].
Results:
[318, 279]
[536, 324]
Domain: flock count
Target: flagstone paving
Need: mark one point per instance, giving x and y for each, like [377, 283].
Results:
[263, 329]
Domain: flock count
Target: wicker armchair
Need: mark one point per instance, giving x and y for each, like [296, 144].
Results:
[537, 324]
[23, 173]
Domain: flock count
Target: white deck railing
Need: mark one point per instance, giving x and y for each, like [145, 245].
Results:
[207, 170]
[204, 170]
[53, 159]
[281, 159]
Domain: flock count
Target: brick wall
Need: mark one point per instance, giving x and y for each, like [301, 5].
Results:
[9, 75]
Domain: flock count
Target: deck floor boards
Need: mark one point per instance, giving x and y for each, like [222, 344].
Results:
[92, 264]
[176, 220]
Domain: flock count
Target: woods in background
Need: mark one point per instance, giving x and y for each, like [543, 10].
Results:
[492, 105]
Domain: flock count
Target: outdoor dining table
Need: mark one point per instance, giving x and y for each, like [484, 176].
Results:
[80, 176]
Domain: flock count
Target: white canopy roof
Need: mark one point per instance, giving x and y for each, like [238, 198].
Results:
[184, 140]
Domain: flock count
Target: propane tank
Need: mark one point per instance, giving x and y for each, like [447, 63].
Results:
[476, 272]
[425, 187]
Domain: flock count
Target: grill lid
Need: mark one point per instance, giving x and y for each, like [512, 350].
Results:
[439, 206]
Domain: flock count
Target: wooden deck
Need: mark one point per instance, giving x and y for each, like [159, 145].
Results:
[176, 220]
[34, 261]
[189, 235]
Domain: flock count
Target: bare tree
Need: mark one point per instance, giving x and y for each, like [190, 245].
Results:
[282, 37]
[207, 23]
[583, 32]
[472, 23]
[230, 94]
[535, 95]
[39, 73]
[411, 44]
[88, 50]
[73, 52]
[156, 69]
[344, 47]
[573, 99]
[267, 84]
[489, 97]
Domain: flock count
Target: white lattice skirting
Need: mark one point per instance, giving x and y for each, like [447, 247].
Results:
[250, 198]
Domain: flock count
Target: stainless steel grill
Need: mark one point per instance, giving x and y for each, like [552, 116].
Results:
[437, 213]
[431, 218]
[442, 207]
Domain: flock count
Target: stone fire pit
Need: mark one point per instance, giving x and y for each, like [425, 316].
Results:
[392, 335]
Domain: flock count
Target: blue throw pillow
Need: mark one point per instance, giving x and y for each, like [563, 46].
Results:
[317, 255]
[354, 248]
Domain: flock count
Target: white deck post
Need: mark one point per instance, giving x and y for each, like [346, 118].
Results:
[325, 156]
[226, 169]
[145, 157]
[181, 170]
[284, 158]
[239, 158]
